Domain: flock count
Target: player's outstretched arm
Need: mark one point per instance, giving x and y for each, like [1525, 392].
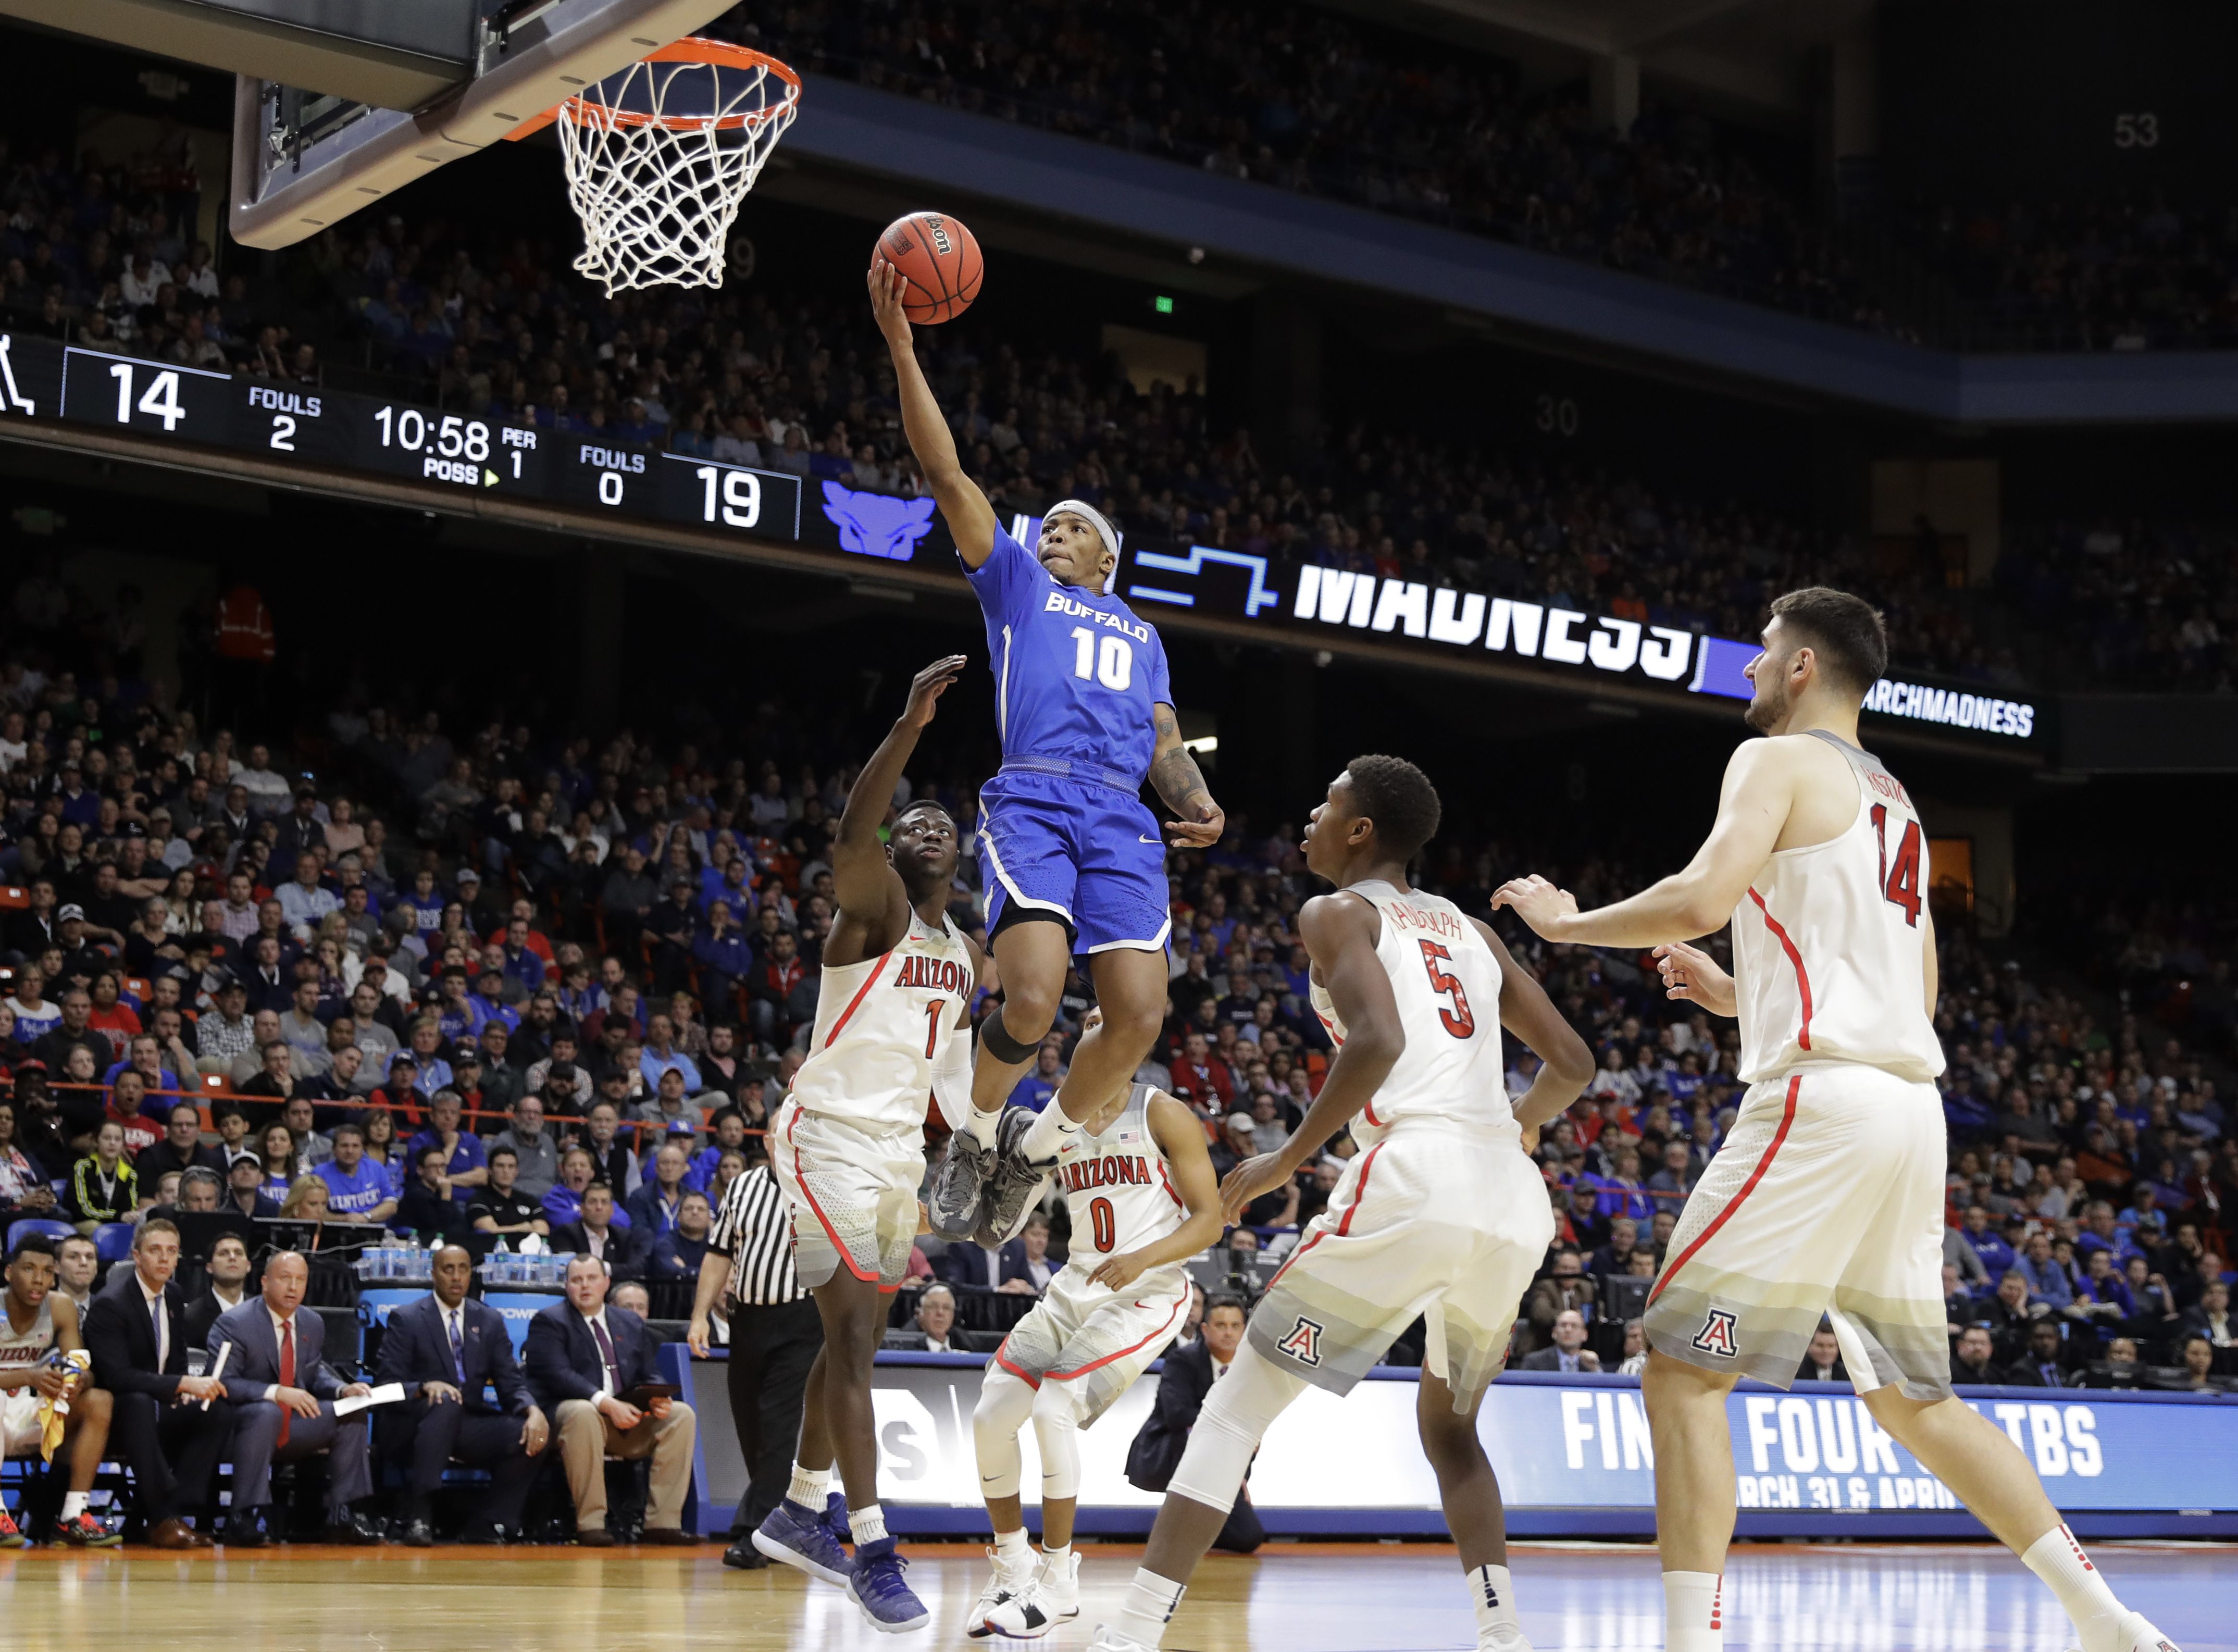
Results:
[1565, 1065]
[1752, 809]
[862, 875]
[1340, 932]
[971, 518]
[1181, 783]
[1181, 1138]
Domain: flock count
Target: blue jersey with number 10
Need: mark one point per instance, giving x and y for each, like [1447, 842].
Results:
[1076, 674]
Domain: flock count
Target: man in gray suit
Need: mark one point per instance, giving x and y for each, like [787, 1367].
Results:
[283, 1395]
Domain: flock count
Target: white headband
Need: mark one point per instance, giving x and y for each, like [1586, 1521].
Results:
[1096, 520]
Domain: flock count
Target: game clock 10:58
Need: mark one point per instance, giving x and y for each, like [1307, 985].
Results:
[454, 449]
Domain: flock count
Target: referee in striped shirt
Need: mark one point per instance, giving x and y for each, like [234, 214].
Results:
[775, 1337]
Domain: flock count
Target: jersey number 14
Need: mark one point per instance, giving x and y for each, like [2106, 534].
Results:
[1107, 659]
[1900, 882]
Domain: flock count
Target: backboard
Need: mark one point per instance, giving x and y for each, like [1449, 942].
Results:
[339, 102]
[304, 158]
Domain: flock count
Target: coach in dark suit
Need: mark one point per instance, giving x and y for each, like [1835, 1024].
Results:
[283, 1395]
[446, 1351]
[581, 1356]
[1190, 1372]
[136, 1331]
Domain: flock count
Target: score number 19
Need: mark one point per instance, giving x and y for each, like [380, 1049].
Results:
[739, 504]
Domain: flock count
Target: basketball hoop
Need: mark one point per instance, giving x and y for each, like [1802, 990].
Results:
[659, 155]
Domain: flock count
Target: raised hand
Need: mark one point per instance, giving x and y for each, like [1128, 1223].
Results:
[927, 687]
[887, 284]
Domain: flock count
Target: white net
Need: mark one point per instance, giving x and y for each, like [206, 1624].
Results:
[658, 158]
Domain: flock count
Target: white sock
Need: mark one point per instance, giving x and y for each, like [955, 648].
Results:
[1493, 1591]
[1150, 1602]
[867, 1524]
[1057, 1556]
[1012, 1546]
[982, 1126]
[2068, 1572]
[810, 1488]
[73, 1504]
[1047, 1137]
[1693, 1612]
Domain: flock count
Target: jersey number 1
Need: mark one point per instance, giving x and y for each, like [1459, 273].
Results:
[932, 1025]
[1900, 883]
[1446, 983]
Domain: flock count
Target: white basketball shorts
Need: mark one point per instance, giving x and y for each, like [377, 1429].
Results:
[1826, 1200]
[1435, 1220]
[1097, 1341]
[853, 1196]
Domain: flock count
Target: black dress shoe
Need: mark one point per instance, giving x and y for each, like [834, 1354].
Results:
[595, 1537]
[243, 1534]
[352, 1528]
[488, 1531]
[419, 1535]
[744, 1556]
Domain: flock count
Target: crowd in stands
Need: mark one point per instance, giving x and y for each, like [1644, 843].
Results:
[476, 317]
[2132, 273]
[1303, 99]
[523, 982]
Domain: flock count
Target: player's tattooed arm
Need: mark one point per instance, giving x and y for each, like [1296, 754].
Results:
[970, 518]
[1181, 783]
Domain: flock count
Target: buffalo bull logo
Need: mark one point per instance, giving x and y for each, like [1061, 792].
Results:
[876, 524]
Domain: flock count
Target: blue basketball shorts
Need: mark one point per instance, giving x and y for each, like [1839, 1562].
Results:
[1085, 853]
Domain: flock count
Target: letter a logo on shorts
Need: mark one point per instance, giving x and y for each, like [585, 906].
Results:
[1716, 1335]
[1304, 1341]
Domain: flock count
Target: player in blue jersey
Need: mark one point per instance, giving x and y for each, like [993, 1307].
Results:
[1074, 857]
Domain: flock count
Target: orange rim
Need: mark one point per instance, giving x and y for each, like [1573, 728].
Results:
[692, 49]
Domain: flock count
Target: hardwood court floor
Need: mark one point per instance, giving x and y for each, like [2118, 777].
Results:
[1325, 1597]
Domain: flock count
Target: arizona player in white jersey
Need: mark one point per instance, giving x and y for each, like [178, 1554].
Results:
[1076, 867]
[1441, 1215]
[37, 1322]
[1827, 1195]
[848, 1146]
[1139, 1187]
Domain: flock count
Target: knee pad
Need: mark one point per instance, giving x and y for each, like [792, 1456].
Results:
[1057, 1431]
[1000, 1046]
[1235, 1418]
[1005, 1401]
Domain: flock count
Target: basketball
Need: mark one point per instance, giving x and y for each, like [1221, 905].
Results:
[941, 260]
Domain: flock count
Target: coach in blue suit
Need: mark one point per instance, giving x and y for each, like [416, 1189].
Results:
[283, 1395]
[582, 1356]
[446, 1351]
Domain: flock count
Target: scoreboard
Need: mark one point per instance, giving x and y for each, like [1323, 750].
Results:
[322, 430]
[328, 434]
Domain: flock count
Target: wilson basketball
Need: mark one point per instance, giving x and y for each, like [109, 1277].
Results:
[941, 262]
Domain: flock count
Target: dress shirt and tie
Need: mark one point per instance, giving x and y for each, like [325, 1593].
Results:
[468, 1347]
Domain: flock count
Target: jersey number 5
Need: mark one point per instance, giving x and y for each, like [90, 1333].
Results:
[1458, 1020]
[1900, 883]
